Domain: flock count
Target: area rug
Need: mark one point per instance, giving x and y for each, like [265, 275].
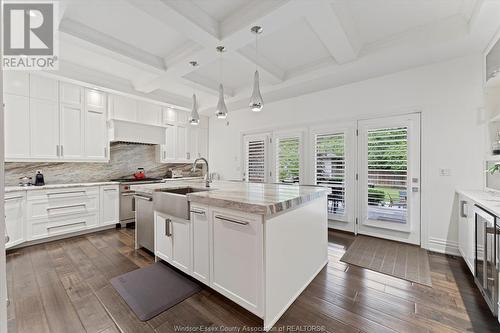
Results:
[405, 261]
[153, 289]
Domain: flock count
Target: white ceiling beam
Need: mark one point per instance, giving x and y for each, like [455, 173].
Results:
[273, 73]
[177, 15]
[330, 30]
[81, 34]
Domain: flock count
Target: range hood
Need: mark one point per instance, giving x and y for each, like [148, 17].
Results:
[128, 131]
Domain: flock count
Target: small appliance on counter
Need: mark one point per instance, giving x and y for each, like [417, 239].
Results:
[25, 181]
[39, 181]
[173, 174]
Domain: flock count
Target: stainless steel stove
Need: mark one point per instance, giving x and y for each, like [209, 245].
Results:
[127, 202]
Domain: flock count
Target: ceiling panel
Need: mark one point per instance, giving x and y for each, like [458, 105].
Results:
[293, 47]
[379, 19]
[119, 19]
[220, 9]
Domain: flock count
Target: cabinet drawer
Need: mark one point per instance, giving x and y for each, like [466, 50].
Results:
[53, 204]
[59, 226]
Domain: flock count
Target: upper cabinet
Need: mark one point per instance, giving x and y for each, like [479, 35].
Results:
[184, 142]
[493, 61]
[47, 120]
[129, 109]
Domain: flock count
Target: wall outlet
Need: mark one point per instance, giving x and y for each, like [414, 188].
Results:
[445, 172]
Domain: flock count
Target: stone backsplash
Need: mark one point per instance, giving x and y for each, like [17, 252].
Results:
[125, 158]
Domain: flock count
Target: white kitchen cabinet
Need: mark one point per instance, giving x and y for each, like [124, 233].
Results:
[163, 237]
[149, 113]
[44, 129]
[173, 241]
[237, 257]
[123, 108]
[44, 88]
[96, 135]
[16, 83]
[466, 231]
[201, 247]
[109, 205]
[70, 94]
[182, 117]
[72, 132]
[169, 116]
[17, 127]
[202, 138]
[15, 204]
[181, 144]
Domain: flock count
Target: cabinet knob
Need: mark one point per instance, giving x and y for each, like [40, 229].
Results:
[7, 239]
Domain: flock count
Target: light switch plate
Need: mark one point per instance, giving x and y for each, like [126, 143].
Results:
[445, 172]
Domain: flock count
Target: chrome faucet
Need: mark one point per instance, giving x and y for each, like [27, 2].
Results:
[208, 180]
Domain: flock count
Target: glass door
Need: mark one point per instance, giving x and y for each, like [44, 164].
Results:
[389, 178]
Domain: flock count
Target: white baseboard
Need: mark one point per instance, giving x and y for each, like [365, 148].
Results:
[443, 246]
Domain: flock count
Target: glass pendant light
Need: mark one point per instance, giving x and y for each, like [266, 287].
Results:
[221, 109]
[194, 118]
[256, 102]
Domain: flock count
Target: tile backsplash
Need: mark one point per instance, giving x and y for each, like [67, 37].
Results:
[125, 158]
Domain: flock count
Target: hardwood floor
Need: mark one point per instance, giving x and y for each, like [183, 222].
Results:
[64, 286]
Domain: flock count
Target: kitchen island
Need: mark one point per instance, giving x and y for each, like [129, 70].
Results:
[260, 245]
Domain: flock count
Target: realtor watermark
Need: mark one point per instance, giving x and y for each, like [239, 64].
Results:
[29, 35]
[222, 328]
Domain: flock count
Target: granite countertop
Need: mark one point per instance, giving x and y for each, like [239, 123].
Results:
[52, 186]
[264, 199]
[489, 200]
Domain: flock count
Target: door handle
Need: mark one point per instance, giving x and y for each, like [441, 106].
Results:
[141, 197]
[463, 203]
[168, 231]
[62, 150]
[200, 212]
[223, 218]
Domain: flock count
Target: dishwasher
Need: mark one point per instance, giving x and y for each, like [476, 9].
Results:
[144, 222]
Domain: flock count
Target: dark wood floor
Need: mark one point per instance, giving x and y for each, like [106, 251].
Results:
[64, 286]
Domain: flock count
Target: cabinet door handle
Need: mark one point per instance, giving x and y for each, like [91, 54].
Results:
[168, 231]
[7, 239]
[463, 203]
[200, 212]
[164, 155]
[105, 152]
[188, 155]
[141, 197]
[227, 219]
[62, 150]
[69, 192]
[65, 225]
[13, 198]
[57, 150]
[67, 206]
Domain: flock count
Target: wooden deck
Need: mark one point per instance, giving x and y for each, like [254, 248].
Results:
[63, 286]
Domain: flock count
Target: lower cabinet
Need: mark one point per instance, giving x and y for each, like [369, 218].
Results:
[15, 206]
[173, 241]
[466, 231]
[37, 214]
[237, 258]
[110, 204]
[219, 247]
[201, 247]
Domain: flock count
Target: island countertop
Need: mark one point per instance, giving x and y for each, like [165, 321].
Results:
[263, 199]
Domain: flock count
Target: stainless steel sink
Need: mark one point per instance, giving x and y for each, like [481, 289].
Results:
[174, 201]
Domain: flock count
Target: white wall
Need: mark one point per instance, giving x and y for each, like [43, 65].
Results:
[449, 95]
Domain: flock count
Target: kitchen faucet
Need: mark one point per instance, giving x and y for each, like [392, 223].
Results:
[207, 175]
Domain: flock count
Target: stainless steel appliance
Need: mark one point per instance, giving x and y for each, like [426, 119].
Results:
[127, 209]
[486, 263]
[144, 221]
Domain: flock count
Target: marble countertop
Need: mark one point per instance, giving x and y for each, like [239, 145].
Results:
[264, 199]
[51, 186]
[489, 200]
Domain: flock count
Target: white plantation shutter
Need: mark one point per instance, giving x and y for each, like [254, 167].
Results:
[387, 173]
[330, 169]
[288, 159]
[255, 160]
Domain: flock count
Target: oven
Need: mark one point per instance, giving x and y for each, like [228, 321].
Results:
[486, 256]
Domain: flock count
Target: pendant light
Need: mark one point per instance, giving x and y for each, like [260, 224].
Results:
[256, 102]
[221, 109]
[194, 118]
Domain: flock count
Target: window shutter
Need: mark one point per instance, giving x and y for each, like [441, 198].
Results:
[330, 169]
[387, 171]
[256, 161]
[288, 160]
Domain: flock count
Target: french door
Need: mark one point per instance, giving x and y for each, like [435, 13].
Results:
[389, 178]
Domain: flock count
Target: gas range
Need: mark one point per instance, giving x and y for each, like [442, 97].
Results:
[137, 181]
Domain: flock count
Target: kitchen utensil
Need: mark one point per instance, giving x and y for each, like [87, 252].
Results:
[39, 181]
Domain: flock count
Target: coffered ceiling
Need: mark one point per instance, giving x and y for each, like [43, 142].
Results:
[144, 46]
